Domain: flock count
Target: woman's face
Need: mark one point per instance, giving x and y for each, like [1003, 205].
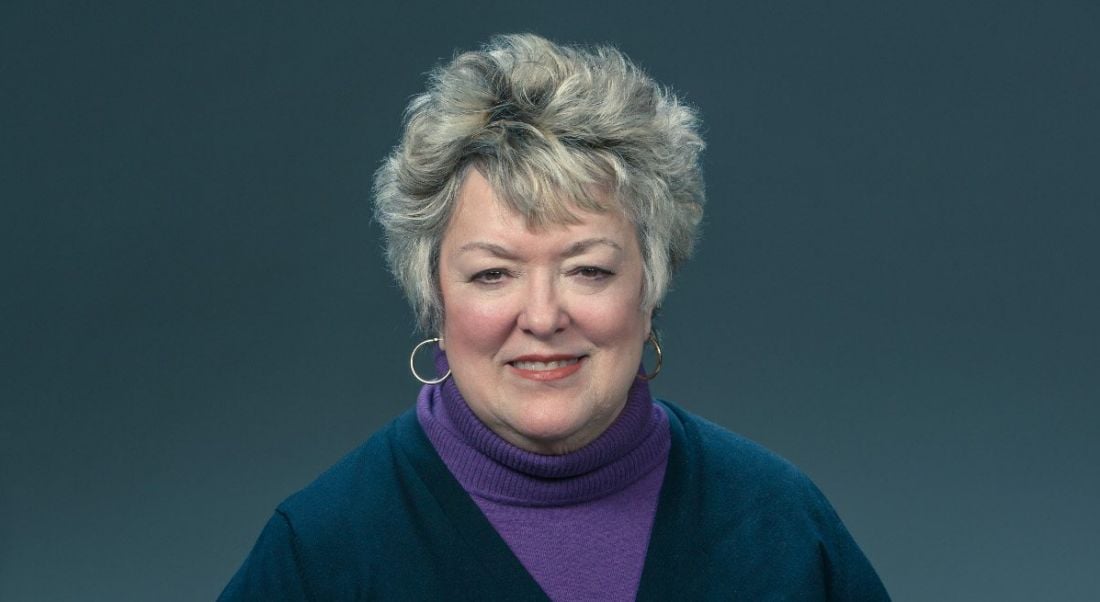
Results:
[543, 328]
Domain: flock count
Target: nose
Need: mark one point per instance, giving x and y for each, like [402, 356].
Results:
[543, 313]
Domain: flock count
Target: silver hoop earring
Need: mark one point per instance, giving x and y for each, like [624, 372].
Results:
[660, 358]
[412, 363]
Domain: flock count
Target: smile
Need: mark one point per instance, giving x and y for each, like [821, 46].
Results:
[530, 365]
[546, 368]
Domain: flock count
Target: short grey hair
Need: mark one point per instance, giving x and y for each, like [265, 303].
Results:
[553, 129]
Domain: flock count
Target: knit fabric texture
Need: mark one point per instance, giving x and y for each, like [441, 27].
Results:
[578, 522]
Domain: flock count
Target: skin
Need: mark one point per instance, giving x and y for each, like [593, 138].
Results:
[566, 297]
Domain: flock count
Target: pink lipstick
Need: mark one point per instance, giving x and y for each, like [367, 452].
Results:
[546, 367]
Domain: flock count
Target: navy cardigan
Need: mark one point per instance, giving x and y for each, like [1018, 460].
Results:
[390, 522]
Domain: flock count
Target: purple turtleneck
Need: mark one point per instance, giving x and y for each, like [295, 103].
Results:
[578, 522]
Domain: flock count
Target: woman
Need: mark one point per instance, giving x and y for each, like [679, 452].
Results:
[534, 212]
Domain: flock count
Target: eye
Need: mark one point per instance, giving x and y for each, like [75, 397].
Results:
[492, 276]
[592, 273]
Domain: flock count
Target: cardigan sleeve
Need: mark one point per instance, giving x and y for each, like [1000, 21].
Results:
[272, 570]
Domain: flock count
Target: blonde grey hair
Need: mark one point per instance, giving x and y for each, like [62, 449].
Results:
[553, 129]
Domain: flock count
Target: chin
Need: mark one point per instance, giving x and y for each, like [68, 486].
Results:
[550, 429]
[549, 433]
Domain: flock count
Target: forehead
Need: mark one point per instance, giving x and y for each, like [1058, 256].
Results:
[480, 214]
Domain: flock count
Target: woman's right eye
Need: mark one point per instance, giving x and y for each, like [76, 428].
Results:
[489, 276]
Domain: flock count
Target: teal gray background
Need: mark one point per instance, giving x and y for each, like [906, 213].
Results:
[896, 289]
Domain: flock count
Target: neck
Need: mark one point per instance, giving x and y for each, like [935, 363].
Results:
[487, 464]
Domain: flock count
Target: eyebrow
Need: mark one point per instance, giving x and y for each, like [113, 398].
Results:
[580, 247]
[495, 250]
[573, 250]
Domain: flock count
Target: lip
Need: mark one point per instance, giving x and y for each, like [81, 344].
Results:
[551, 374]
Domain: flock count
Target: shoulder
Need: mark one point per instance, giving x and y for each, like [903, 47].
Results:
[338, 535]
[732, 462]
[761, 521]
[356, 490]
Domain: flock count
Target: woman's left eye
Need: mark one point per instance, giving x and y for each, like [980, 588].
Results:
[592, 273]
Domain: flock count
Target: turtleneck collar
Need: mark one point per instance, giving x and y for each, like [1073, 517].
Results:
[488, 466]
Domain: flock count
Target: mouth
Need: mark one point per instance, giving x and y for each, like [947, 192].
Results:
[543, 368]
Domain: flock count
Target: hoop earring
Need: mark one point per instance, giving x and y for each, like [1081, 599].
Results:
[660, 359]
[412, 363]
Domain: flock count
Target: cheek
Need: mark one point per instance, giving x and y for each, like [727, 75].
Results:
[614, 321]
[470, 325]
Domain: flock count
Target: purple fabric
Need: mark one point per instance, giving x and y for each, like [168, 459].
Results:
[579, 522]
